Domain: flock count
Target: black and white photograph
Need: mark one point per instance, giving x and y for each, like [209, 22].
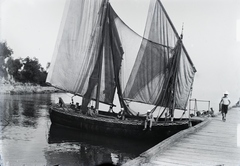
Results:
[119, 82]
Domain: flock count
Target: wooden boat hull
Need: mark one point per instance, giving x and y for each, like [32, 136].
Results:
[114, 127]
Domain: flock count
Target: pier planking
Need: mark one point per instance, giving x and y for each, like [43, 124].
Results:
[213, 142]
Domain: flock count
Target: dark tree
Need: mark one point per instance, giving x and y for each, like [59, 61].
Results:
[21, 70]
[5, 52]
[33, 72]
[42, 77]
[14, 67]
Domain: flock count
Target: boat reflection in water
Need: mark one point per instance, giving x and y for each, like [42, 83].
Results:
[82, 148]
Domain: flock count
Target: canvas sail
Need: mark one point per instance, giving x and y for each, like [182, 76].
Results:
[163, 72]
[94, 44]
[83, 59]
[70, 55]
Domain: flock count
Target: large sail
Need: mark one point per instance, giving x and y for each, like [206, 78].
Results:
[70, 55]
[83, 63]
[106, 46]
[94, 43]
[163, 72]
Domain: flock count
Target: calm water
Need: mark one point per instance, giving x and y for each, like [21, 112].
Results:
[29, 138]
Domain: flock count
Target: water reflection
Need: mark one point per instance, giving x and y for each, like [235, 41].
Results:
[95, 149]
[14, 106]
[77, 154]
[28, 138]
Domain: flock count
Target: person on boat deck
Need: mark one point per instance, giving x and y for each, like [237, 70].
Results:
[138, 114]
[211, 112]
[171, 112]
[78, 107]
[60, 102]
[111, 109]
[224, 103]
[91, 111]
[72, 104]
[121, 114]
[149, 119]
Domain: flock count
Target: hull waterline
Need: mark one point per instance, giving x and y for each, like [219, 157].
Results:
[111, 126]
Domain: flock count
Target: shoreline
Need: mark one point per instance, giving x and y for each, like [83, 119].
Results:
[19, 88]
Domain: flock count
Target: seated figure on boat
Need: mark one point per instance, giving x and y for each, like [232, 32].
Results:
[121, 114]
[77, 107]
[60, 102]
[138, 114]
[111, 109]
[149, 119]
[91, 111]
[72, 104]
[211, 112]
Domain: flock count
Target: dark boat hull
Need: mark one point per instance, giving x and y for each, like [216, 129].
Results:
[114, 127]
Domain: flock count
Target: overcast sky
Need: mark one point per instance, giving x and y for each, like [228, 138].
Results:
[211, 36]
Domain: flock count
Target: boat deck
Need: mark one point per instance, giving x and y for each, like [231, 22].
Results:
[111, 119]
[213, 142]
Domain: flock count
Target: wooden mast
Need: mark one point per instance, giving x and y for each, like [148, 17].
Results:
[101, 54]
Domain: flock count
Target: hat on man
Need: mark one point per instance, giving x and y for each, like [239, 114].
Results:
[226, 93]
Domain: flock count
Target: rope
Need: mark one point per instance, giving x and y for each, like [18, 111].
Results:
[183, 114]
[5, 125]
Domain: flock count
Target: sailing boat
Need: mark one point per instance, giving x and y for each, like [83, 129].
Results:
[98, 55]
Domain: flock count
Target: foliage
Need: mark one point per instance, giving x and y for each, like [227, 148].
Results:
[27, 70]
[32, 72]
[5, 52]
[14, 67]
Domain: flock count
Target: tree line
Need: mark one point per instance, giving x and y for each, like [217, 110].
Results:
[24, 70]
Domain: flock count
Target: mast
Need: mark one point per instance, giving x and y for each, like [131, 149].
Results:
[101, 53]
[99, 78]
[178, 54]
[116, 70]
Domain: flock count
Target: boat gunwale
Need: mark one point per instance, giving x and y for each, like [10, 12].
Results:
[136, 122]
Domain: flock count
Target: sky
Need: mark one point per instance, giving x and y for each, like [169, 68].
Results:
[211, 35]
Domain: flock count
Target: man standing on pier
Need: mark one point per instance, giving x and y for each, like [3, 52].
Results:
[224, 103]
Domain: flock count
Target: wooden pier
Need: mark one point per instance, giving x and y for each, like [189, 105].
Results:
[212, 142]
